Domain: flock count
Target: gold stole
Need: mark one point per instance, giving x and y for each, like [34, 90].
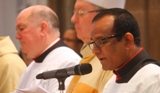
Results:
[76, 78]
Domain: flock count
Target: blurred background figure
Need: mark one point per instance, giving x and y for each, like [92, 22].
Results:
[70, 39]
[11, 65]
[25, 57]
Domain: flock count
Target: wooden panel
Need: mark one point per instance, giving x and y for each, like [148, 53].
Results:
[64, 10]
[137, 8]
[154, 28]
[147, 13]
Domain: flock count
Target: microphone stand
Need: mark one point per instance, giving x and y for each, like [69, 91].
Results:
[61, 84]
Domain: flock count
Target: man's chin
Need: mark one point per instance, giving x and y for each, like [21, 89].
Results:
[105, 68]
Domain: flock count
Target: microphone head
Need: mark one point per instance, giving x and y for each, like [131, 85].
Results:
[40, 76]
[82, 69]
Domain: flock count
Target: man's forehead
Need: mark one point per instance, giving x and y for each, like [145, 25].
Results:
[106, 19]
[103, 24]
[97, 34]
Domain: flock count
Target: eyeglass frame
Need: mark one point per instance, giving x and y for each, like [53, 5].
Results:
[101, 42]
[83, 12]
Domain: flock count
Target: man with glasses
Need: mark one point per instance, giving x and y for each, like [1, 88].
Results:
[84, 12]
[115, 40]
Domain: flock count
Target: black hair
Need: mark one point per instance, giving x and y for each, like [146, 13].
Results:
[124, 22]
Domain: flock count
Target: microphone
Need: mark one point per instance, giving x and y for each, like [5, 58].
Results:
[80, 69]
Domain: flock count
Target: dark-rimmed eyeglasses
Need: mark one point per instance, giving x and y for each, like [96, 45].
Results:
[82, 12]
[99, 43]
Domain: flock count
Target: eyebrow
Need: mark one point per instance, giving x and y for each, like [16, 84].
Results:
[79, 8]
[18, 25]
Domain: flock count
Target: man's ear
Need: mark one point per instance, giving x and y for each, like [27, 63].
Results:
[44, 28]
[129, 40]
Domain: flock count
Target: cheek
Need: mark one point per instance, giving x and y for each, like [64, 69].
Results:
[79, 33]
[31, 39]
[109, 50]
[85, 29]
[119, 55]
[86, 23]
[108, 54]
[26, 46]
[112, 55]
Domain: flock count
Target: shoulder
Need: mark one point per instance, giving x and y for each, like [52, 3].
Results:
[65, 52]
[150, 69]
[63, 56]
[147, 74]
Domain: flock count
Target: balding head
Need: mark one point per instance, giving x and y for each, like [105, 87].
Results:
[37, 26]
[39, 13]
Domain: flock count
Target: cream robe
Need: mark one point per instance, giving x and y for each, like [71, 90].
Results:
[11, 65]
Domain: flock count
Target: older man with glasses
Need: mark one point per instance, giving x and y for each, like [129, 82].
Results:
[84, 12]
